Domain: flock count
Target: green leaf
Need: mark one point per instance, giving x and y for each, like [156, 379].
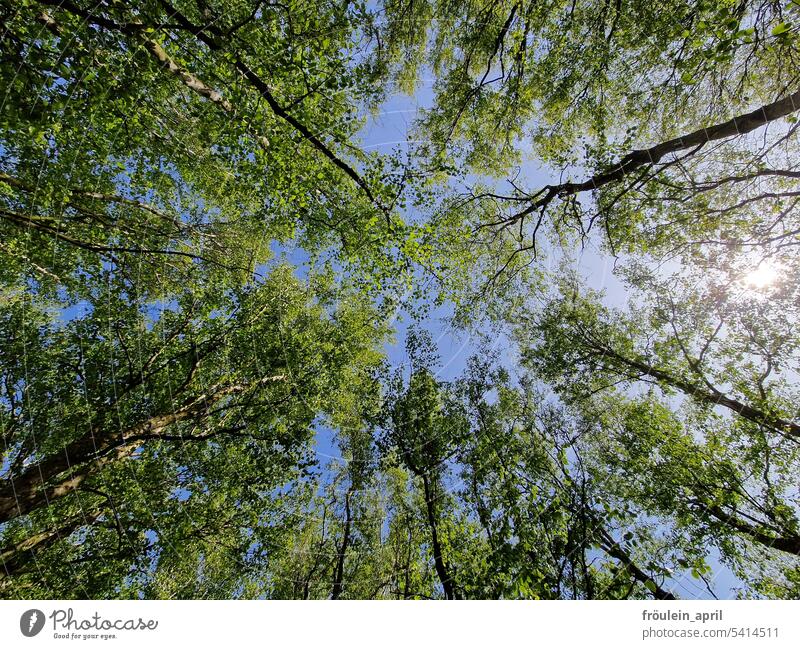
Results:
[780, 28]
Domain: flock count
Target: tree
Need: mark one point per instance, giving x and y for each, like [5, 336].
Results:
[154, 135]
[583, 73]
[672, 133]
[425, 428]
[190, 414]
[716, 452]
[171, 384]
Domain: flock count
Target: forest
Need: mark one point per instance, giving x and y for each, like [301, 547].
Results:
[399, 299]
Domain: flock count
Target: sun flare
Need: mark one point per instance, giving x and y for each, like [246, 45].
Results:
[762, 276]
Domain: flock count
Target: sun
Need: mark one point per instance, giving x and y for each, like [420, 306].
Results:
[763, 276]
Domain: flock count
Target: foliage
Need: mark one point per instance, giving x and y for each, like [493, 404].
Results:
[201, 264]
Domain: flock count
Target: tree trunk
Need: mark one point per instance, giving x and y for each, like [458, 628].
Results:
[38, 485]
[14, 558]
[639, 158]
[442, 569]
[706, 394]
[338, 573]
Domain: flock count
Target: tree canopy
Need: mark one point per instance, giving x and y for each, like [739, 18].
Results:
[223, 309]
